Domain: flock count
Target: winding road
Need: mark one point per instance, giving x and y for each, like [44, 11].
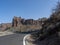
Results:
[13, 39]
[17, 39]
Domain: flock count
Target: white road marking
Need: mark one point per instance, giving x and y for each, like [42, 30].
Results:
[24, 39]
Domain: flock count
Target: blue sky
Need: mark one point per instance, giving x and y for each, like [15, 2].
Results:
[25, 8]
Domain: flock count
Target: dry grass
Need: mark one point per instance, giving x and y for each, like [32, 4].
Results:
[24, 28]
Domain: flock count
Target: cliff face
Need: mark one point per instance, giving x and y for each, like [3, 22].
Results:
[23, 24]
[20, 21]
[27, 24]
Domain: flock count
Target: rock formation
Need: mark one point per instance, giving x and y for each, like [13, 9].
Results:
[16, 21]
[20, 21]
[5, 26]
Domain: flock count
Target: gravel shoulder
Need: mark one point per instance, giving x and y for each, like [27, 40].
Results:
[4, 33]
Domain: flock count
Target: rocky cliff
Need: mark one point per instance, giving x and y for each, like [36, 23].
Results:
[21, 24]
[20, 21]
[27, 24]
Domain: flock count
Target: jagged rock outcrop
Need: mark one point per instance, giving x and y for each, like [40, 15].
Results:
[20, 21]
[16, 21]
[29, 21]
[27, 24]
[24, 24]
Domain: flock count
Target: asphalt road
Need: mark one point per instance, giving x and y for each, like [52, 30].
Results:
[17, 39]
[14, 39]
